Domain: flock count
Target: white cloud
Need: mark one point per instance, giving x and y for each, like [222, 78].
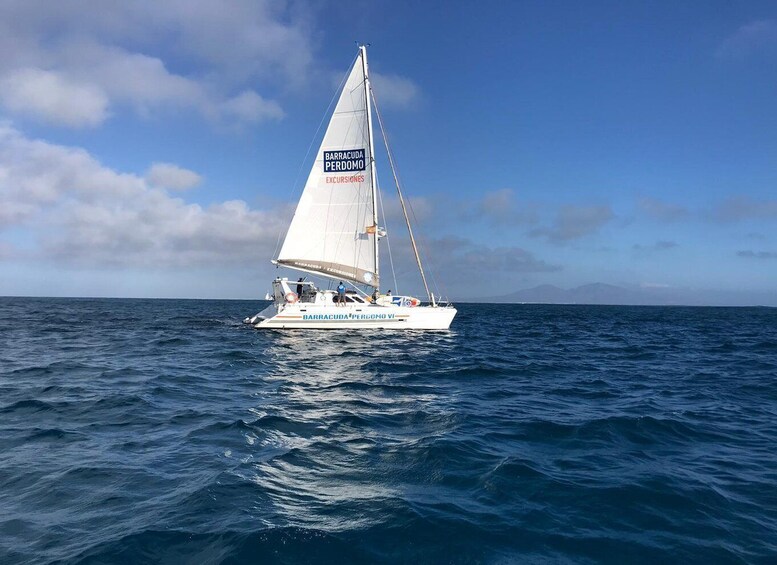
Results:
[6, 250]
[394, 90]
[459, 266]
[499, 208]
[662, 211]
[574, 222]
[168, 175]
[54, 97]
[757, 37]
[418, 207]
[138, 79]
[750, 254]
[661, 245]
[149, 56]
[653, 285]
[744, 208]
[35, 175]
[465, 257]
[81, 212]
[497, 204]
[248, 106]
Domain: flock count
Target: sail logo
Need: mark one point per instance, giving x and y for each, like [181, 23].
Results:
[344, 161]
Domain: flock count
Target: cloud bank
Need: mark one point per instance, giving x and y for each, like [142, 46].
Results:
[394, 91]
[660, 245]
[53, 98]
[744, 208]
[662, 211]
[170, 176]
[574, 222]
[66, 69]
[750, 254]
[754, 38]
[80, 212]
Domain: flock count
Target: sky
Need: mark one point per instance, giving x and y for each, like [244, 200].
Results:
[157, 149]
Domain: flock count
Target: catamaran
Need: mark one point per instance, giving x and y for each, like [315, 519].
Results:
[335, 233]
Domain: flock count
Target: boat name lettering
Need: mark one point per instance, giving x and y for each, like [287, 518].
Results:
[348, 316]
[344, 161]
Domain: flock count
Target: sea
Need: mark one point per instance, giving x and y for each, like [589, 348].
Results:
[166, 431]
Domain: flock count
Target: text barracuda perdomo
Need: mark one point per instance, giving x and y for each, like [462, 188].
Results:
[348, 161]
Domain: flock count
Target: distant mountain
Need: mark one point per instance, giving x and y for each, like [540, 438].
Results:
[601, 293]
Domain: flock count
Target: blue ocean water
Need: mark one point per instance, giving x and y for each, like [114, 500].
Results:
[165, 431]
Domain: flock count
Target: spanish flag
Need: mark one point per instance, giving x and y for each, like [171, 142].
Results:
[373, 229]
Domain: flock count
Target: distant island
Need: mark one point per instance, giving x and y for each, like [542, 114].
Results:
[601, 293]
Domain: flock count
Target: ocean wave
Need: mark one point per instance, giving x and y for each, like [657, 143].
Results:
[529, 434]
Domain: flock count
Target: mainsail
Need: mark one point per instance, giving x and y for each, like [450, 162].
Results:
[334, 228]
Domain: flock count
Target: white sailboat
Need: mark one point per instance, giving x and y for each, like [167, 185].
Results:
[335, 233]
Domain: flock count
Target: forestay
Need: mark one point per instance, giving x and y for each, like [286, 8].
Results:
[333, 230]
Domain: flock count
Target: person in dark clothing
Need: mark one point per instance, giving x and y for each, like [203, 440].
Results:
[341, 294]
[299, 286]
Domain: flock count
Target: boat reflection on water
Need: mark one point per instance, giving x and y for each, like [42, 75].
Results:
[322, 357]
[343, 420]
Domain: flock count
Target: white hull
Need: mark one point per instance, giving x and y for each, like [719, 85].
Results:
[304, 316]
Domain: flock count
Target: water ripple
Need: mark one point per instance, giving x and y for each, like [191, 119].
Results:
[166, 431]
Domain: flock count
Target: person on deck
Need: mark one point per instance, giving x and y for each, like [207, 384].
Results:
[375, 295]
[299, 286]
[341, 294]
[388, 293]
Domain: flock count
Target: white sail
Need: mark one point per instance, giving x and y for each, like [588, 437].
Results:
[333, 230]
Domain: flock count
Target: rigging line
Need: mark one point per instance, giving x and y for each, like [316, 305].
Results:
[360, 291]
[401, 200]
[294, 186]
[427, 257]
[388, 241]
[432, 269]
[422, 249]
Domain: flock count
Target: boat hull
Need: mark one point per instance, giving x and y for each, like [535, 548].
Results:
[359, 317]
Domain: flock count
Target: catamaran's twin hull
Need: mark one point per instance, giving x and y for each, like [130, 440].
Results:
[372, 317]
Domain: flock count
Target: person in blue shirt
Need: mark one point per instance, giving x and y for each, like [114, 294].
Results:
[341, 294]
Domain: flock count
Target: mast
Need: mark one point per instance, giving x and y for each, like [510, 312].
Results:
[402, 200]
[373, 174]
